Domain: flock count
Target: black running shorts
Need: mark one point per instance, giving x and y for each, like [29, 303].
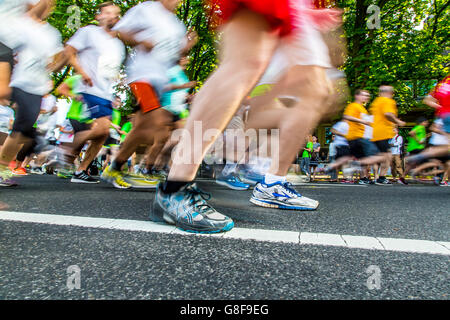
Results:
[28, 109]
[6, 55]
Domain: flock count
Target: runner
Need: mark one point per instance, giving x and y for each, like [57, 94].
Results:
[358, 136]
[250, 37]
[174, 100]
[41, 54]
[437, 140]
[162, 41]
[418, 137]
[15, 24]
[439, 99]
[97, 55]
[37, 144]
[384, 110]
[6, 122]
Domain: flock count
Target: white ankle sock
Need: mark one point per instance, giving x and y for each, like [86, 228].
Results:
[271, 178]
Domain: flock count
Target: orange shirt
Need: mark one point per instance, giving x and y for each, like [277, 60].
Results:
[355, 130]
[383, 129]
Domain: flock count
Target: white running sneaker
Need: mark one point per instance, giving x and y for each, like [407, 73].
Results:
[281, 196]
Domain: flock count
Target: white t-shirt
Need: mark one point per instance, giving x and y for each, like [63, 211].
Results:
[6, 115]
[436, 138]
[15, 8]
[397, 141]
[30, 73]
[14, 23]
[101, 57]
[368, 130]
[341, 127]
[152, 22]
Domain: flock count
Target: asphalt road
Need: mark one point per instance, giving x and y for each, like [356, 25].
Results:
[118, 264]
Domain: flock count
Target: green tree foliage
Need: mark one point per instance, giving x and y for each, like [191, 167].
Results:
[409, 49]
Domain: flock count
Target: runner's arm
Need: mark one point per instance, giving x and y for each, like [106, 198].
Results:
[65, 90]
[392, 118]
[431, 102]
[129, 39]
[71, 54]
[437, 129]
[40, 8]
[192, 39]
[187, 85]
[337, 132]
[353, 119]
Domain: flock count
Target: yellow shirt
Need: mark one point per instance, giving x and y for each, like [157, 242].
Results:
[383, 129]
[355, 130]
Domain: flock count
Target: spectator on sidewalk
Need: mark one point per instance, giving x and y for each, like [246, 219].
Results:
[396, 144]
[331, 157]
[306, 157]
[315, 157]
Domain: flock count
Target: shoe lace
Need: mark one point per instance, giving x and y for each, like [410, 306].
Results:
[198, 198]
[290, 189]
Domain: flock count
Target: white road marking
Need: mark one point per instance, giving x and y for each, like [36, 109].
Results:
[301, 238]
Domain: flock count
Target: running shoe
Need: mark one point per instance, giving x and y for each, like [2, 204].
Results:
[349, 171]
[83, 177]
[5, 177]
[346, 181]
[188, 210]
[233, 182]
[437, 181]
[64, 174]
[402, 181]
[281, 196]
[383, 182]
[251, 177]
[444, 184]
[141, 183]
[160, 175]
[37, 170]
[115, 177]
[19, 171]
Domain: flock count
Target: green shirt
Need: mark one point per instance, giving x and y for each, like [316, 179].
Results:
[421, 135]
[126, 128]
[307, 154]
[76, 108]
[116, 117]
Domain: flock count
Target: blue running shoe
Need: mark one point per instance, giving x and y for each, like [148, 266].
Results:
[281, 196]
[188, 210]
[233, 182]
[252, 177]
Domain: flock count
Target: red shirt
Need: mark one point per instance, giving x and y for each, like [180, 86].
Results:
[442, 94]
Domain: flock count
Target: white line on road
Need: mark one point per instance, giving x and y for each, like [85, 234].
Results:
[302, 238]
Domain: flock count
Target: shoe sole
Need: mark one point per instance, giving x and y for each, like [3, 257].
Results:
[158, 215]
[83, 181]
[251, 182]
[272, 205]
[227, 228]
[143, 187]
[113, 182]
[222, 183]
